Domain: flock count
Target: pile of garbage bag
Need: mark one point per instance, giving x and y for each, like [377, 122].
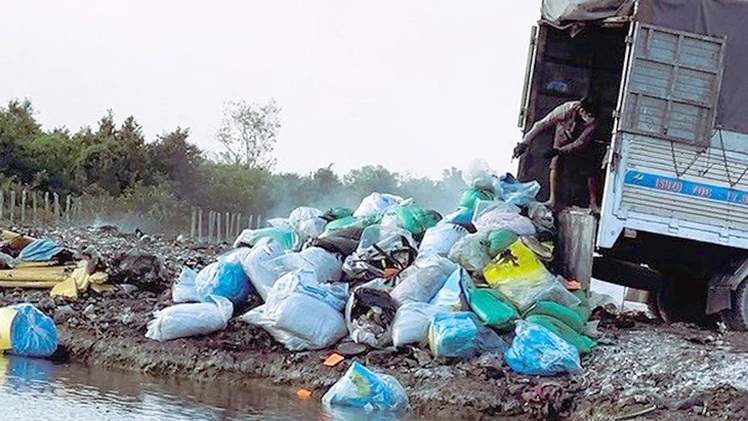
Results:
[393, 273]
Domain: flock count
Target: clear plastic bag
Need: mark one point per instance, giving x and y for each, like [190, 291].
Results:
[412, 322]
[449, 297]
[500, 218]
[327, 266]
[185, 289]
[462, 335]
[183, 320]
[362, 388]
[512, 191]
[479, 175]
[536, 351]
[369, 315]
[422, 280]
[471, 252]
[556, 292]
[308, 221]
[376, 203]
[441, 238]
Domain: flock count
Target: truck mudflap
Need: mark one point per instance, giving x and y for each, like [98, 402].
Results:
[721, 287]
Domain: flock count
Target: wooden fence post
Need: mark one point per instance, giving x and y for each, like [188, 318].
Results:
[238, 224]
[193, 221]
[218, 227]
[56, 198]
[46, 206]
[68, 204]
[23, 207]
[200, 225]
[2, 204]
[12, 207]
[210, 226]
[34, 209]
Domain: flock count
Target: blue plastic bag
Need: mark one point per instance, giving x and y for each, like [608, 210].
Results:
[462, 335]
[39, 251]
[225, 279]
[362, 388]
[462, 216]
[537, 351]
[512, 191]
[32, 333]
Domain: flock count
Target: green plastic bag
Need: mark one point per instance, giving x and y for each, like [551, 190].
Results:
[351, 222]
[287, 237]
[579, 341]
[549, 308]
[492, 308]
[338, 212]
[500, 240]
[583, 309]
[470, 196]
[415, 219]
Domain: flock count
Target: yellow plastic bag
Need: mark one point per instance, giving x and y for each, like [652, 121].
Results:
[518, 274]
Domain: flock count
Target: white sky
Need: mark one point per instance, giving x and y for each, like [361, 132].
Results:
[414, 85]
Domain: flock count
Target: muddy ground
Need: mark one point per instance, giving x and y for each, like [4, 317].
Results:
[672, 372]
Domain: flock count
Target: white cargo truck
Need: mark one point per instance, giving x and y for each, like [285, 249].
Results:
[672, 137]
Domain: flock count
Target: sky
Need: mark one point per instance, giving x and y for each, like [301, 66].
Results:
[414, 85]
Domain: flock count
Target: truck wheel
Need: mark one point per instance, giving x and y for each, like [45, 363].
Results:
[663, 306]
[737, 317]
[682, 298]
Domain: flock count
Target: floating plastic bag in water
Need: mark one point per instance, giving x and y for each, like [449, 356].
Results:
[536, 351]
[411, 323]
[462, 335]
[362, 388]
[225, 279]
[441, 238]
[183, 320]
[376, 203]
[26, 331]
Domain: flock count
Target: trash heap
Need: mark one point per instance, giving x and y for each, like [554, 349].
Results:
[393, 273]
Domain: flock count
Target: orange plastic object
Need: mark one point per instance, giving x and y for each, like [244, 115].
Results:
[304, 394]
[334, 359]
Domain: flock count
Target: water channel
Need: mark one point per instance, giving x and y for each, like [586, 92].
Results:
[40, 390]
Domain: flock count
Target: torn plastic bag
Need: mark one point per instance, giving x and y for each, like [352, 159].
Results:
[492, 308]
[377, 203]
[362, 388]
[556, 292]
[519, 275]
[185, 289]
[479, 175]
[302, 314]
[499, 218]
[582, 343]
[471, 252]
[449, 296]
[369, 315]
[224, 278]
[40, 251]
[412, 322]
[26, 331]
[440, 239]
[512, 191]
[262, 278]
[183, 320]
[286, 237]
[327, 266]
[422, 280]
[415, 219]
[536, 351]
[381, 248]
[462, 335]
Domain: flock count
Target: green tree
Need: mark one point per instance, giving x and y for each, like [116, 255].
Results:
[174, 159]
[249, 133]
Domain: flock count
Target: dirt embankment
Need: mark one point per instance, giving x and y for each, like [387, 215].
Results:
[680, 371]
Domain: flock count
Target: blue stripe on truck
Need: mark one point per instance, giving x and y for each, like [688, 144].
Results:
[686, 188]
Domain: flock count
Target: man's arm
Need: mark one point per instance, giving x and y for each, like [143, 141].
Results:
[580, 142]
[557, 114]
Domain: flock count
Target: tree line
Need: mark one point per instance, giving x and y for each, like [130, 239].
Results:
[115, 159]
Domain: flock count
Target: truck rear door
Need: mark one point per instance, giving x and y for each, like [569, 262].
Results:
[657, 178]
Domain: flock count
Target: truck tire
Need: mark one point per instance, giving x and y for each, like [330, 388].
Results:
[682, 298]
[737, 317]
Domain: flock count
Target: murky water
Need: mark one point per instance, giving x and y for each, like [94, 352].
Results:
[39, 390]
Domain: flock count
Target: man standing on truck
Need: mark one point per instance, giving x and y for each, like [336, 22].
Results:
[574, 122]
